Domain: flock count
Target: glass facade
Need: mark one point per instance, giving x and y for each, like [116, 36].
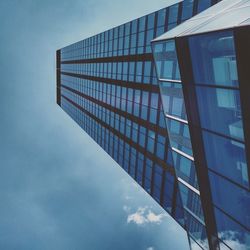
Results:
[179, 137]
[134, 104]
[201, 83]
[108, 85]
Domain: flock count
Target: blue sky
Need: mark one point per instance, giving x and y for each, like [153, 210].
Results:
[58, 188]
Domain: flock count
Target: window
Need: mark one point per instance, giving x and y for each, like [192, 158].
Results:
[187, 9]
[150, 37]
[236, 204]
[160, 149]
[230, 232]
[220, 111]
[173, 14]
[151, 21]
[154, 100]
[226, 157]
[153, 115]
[191, 200]
[134, 26]
[142, 139]
[151, 141]
[213, 59]
[161, 17]
[141, 39]
[166, 60]
[148, 175]
[179, 136]
[142, 23]
[127, 29]
[203, 4]
[173, 101]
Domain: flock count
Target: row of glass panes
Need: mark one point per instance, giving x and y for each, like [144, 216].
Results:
[113, 119]
[108, 92]
[178, 130]
[180, 139]
[115, 147]
[127, 71]
[137, 133]
[105, 92]
[126, 156]
[162, 151]
[223, 135]
[149, 22]
[138, 110]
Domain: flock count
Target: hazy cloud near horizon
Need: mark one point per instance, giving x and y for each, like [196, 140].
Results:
[58, 188]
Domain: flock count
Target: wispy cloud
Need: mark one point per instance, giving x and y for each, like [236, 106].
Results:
[144, 215]
[150, 248]
[231, 238]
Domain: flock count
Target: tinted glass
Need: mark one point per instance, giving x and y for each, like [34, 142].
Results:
[213, 59]
[187, 9]
[230, 198]
[230, 232]
[220, 111]
[226, 157]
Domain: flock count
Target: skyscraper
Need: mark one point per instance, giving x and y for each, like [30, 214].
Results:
[176, 119]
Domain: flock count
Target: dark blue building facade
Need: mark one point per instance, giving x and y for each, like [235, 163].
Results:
[172, 119]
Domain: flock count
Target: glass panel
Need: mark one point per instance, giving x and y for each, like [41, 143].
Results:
[173, 13]
[172, 98]
[197, 231]
[231, 233]
[179, 136]
[151, 21]
[142, 21]
[161, 17]
[220, 111]
[194, 245]
[213, 58]
[187, 9]
[191, 201]
[203, 4]
[185, 169]
[226, 157]
[166, 60]
[230, 198]
[158, 174]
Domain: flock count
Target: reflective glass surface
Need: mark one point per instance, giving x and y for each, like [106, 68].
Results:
[185, 169]
[179, 136]
[116, 101]
[232, 199]
[166, 60]
[203, 4]
[226, 157]
[187, 9]
[232, 234]
[213, 59]
[191, 202]
[220, 111]
[172, 99]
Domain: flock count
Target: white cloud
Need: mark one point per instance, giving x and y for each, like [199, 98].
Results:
[152, 217]
[150, 248]
[137, 217]
[231, 238]
[144, 215]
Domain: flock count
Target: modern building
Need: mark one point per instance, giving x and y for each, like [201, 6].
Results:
[175, 119]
